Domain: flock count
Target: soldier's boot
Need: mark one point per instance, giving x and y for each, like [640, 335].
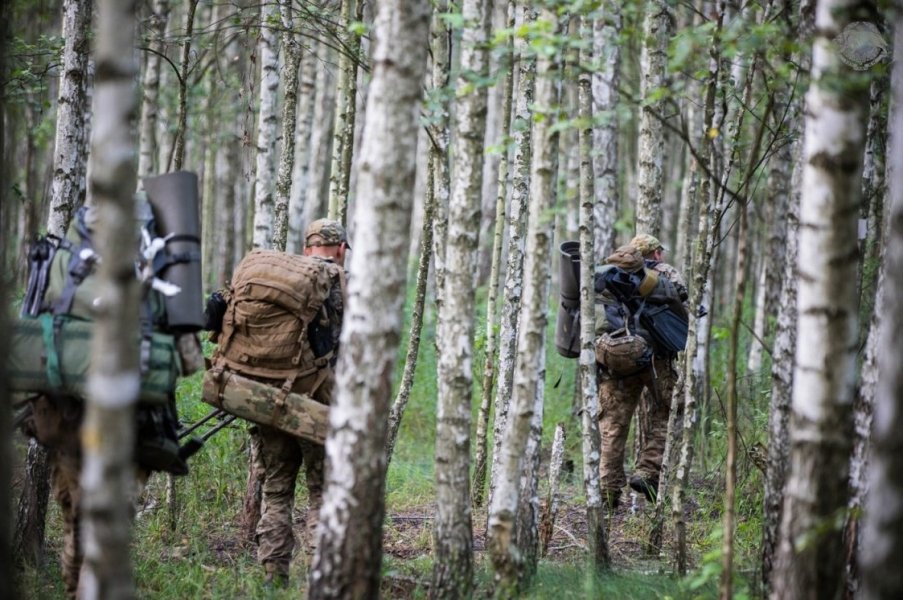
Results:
[276, 575]
[648, 486]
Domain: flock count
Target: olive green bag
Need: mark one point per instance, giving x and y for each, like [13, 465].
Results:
[52, 354]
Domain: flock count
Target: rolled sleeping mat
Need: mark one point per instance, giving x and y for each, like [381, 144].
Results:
[296, 414]
[174, 201]
[567, 331]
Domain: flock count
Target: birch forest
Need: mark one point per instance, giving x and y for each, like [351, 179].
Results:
[484, 162]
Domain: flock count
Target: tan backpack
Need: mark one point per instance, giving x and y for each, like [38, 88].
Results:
[273, 298]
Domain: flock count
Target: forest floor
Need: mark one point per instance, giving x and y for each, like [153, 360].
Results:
[208, 556]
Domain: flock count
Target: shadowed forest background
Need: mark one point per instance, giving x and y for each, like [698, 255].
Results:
[461, 143]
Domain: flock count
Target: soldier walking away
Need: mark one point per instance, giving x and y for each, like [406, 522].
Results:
[282, 454]
[54, 332]
[636, 360]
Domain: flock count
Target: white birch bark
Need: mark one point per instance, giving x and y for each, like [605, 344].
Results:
[440, 51]
[882, 534]
[267, 122]
[316, 195]
[150, 87]
[516, 230]
[453, 567]
[349, 552]
[876, 242]
[651, 151]
[343, 130]
[824, 377]
[289, 76]
[709, 214]
[507, 558]
[491, 358]
[597, 541]
[108, 429]
[71, 145]
[783, 352]
[423, 270]
[178, 152]
[303, 145]
[606, 134]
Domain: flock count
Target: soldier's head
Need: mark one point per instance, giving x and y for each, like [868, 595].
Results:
[326, 238]
[649, 246]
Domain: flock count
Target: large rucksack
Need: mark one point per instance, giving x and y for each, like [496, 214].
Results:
[641, 316]
[276, 329]
[50, 353]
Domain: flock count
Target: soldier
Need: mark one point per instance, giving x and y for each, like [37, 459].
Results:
[54, 421]
[653, 381]
[282, 454]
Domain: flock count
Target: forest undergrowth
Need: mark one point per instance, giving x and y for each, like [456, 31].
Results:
[206, 557]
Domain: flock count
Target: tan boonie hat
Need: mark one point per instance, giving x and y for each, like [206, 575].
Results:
[331, 233]
[627, 258]
[646, 243]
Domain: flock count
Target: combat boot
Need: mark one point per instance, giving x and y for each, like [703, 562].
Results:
[276, 576]
[646, 486]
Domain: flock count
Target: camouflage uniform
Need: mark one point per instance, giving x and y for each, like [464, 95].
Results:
[282, 455]
[55, 424]
[651, 389]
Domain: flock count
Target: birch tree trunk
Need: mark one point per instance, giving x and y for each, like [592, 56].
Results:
[267, 122]
[511, 572]
[349, 551]
[71, 146]
[453, 567]
[178, 155]
[423, 270]
[882, 535]
[516, 224]
[607, 51]
[709, 214]
[317, 193]
[651, 158]
[597, 541]
[303, 143]
[440, 50]
[491, 358]
[150, 86]
[783, 353]
[873, 192]
[67, 192]
[108, 433]
[343, 130]
[824, 378]
[290, 63]
[863, 419]
[873, 278]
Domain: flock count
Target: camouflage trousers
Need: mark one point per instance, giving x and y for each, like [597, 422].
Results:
[282, 456]
[56, 424]
[618, 400]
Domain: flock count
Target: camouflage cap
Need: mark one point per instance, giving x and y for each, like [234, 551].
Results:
[331, 233]
[646, 243]
[627, 258]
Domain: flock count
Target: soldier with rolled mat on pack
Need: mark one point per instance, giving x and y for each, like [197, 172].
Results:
[278, 341]
[641, 324]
